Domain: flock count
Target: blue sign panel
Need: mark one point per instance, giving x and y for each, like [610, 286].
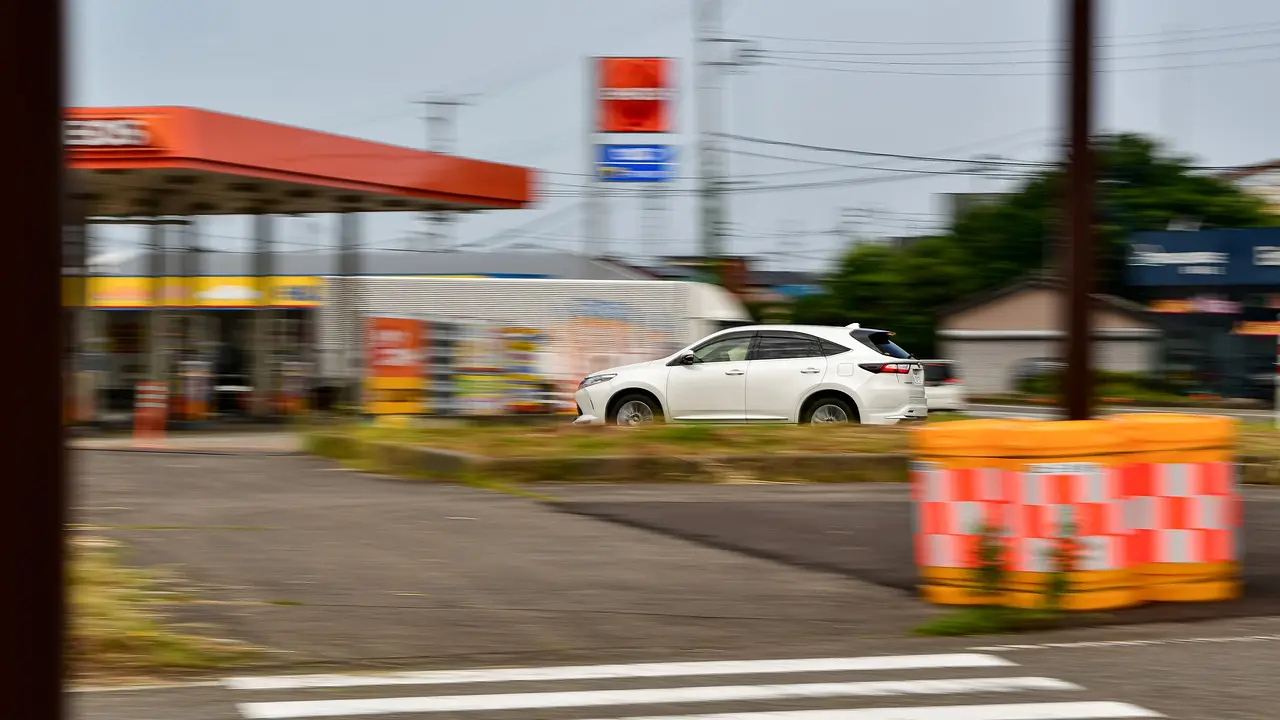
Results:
[1245, 256]
[636, 163]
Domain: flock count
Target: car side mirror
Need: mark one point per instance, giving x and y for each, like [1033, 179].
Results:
[688, 359]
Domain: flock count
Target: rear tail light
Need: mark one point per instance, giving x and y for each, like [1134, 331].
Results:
[887, 368]
[952, 381]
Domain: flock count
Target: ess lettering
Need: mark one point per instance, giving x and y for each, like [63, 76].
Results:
[106, 133]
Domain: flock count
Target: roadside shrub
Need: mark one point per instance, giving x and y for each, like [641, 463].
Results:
[1135, 386]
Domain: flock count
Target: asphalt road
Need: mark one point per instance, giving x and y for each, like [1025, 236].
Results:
[325, 566]
[334, 570]
[1223, 670]
[864, 532]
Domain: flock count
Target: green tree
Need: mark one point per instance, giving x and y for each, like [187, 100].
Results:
[1140, 187]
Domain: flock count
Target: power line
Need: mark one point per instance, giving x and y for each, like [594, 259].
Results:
[894, 156]
[837, 165]
[840, 58]
[522, 226]
[989, 43]
[1034, 73]
[902, 174]
[1052, 47]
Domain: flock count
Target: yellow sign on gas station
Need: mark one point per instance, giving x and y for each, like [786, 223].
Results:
[230, 292]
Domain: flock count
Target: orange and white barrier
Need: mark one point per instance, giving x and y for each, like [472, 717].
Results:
[1148, 503]
[1187, 527]
[150, 413]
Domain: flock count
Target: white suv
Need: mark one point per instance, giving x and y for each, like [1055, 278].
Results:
[765, 373]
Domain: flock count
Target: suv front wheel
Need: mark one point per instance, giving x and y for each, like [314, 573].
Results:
[636, 410]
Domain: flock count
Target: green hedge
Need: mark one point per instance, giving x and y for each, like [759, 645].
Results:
[1136, 386]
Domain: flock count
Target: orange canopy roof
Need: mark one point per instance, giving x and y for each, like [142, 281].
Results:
[193, 161]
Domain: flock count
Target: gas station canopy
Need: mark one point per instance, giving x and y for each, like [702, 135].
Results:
[136, 161]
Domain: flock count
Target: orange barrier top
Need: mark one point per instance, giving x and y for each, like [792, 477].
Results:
[230, 164]
[1015, 439]
[1169, 431]
[1049, 439]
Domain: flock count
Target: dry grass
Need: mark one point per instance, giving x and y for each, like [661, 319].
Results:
[116, 628]
[552, 441]
[1259, 439]
[694, 440]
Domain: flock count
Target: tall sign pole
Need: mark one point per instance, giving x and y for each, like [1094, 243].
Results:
[1078, 385]
[632, 98]
[592, 202]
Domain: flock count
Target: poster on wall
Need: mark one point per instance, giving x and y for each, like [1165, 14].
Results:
[525, 382]
[600, 334]
[480, 394]
[394, 366]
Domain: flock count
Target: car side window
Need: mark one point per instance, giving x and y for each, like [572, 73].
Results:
[730, 349]
[786, 347]
[830, 348]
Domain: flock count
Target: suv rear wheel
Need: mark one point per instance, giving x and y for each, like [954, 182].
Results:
[829, 410]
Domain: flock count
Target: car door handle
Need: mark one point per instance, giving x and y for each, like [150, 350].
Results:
[734, 372]
[810, 371]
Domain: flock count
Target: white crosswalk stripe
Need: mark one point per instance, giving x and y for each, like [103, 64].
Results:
[614, 672]
[841, 688]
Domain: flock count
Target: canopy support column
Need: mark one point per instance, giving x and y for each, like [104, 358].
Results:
[351, 303]
[263, 345]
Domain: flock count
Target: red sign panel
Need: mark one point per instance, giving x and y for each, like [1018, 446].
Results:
[634, 95]
[395, 347]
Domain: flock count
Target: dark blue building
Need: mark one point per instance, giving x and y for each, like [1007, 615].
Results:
[1218, 293]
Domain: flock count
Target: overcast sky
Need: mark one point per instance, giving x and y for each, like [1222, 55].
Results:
[926, 77]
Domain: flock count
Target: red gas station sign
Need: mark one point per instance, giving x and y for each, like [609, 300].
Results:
[634, 95]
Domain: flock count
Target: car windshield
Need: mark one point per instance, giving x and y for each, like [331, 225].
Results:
[886, 346]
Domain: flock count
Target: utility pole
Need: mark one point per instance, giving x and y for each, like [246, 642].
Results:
[707, 32]
[440, 118]
[1078, 388]
[714, 55]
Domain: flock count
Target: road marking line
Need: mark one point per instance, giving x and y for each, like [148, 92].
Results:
[648, 696]
[1125, 643]
[642, 670]
[1023, 711]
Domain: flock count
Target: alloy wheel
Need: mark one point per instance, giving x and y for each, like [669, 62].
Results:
[634, 412]
[830, 414]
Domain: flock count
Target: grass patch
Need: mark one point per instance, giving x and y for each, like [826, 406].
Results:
[989, 620]
[544, 441]
[1258, 439]
[692, 440]
[116, 627]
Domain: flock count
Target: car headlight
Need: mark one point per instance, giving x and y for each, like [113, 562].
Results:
[590, 380]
